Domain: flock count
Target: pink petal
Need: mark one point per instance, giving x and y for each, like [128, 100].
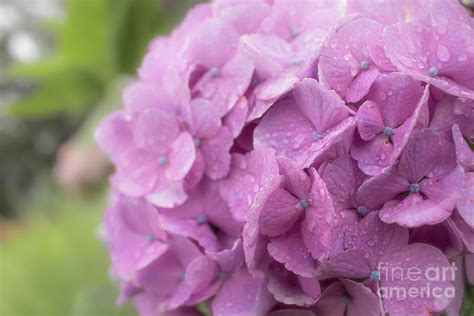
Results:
[362, 300]
[216, 154]
[212, 44]
[342, 178]
[182, 156]
[464, 154]
[414, 211]
[397, 96]
[465, 205]
[448, 46]
[242, 294]
[420, 155]
[296, 181]
[444, 192]
[236, 118]
[251, 175]
[289, 250]
[269, 91]
[286, 130]
[421, 258]
[369, 120]
[289, 289]
[154, 130]
[341, 58]
[279, 213]
[381, 188]
[319, 220]
[375, 239]
[324, 108]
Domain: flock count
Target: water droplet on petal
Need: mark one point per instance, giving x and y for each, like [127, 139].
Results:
[443, 53]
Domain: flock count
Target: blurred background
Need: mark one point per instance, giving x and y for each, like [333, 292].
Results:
[63, 64]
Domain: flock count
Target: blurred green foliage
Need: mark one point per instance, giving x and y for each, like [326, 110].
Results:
[98, 40]
[55, 265]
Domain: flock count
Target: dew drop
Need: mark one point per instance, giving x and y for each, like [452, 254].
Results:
[443, 53]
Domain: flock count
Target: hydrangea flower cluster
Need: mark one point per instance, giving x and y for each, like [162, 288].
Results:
[298, 157]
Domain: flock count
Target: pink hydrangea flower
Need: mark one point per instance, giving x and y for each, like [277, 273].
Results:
[297, 157]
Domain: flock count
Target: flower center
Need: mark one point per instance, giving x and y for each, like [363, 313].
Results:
[346, 298]
[433, 71]
[197, 142]
[214, 72]
[150, 238]
[375, 275]
[304, 204]
[162, 161]
[223, 275]
[414, 188]
[317, 134]
[364, 65]
[388, 131]
[295, 32]
[362, 210]
[201, 219]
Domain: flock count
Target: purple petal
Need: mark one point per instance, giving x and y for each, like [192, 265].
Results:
[414, 211]
[465, 205]
[381, 188]
[216, 154]
[362, 301]
[397, 96]
[324, 108]
[445, 192]
[279, 213]
[343, 178]
[251, 176]
[289, 289]
[341, 58]
[243, 294]
[319, 220]
[464, 154]
[289, 249]
[369, 121]
[448, 45]
[422, 259]
[420, 156]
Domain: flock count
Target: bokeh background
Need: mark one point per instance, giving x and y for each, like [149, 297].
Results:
[63, 64]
